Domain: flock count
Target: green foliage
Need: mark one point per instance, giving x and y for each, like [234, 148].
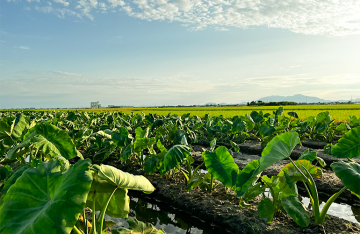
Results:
[40, 193]
[348, 146]
[221, 165]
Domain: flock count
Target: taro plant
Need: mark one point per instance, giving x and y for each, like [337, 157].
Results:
[50, 197]
[301, 170]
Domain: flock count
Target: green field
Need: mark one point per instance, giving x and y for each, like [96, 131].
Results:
[338, 112]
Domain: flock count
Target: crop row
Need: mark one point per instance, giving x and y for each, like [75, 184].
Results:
[37, 177]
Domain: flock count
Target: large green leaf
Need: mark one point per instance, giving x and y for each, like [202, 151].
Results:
[221, 165]
[296, 210]
[255, 191]
[51, 140]
[12, 180]
[266, 129]
[280, 147]
[44, 200]
[349, 173]
[119, 205]
[108, 179]
[5, 127]
[121, 137]
[266, 209]
[257, 117]
[176, 155]
[247, 177]
[143, 143]
[116, 178]
[19, 125]
[348, 146]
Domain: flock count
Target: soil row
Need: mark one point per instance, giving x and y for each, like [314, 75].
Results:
[220, 209]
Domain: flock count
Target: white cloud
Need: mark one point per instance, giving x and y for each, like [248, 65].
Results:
[45, 9]
[325, 17]
[22, 47]
[65, 3]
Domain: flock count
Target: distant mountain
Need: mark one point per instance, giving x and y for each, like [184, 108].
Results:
[295, 98]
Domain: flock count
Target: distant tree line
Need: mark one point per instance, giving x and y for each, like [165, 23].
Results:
[261, 103]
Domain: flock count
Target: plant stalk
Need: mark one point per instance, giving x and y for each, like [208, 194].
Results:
[102, 213]
[328, 204]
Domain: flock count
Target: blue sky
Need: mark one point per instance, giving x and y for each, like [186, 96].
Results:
[67, 53]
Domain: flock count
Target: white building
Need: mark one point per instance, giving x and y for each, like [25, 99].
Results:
[95, 105]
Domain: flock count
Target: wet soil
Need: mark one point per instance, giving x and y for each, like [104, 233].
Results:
[221, 210]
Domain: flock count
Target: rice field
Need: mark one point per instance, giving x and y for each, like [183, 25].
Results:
[338, 112]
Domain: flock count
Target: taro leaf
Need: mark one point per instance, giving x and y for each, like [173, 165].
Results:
[176, 155]
[150, 164]
[266, 209]
[12, 180]
[249, 122]
[5, 127]
[342, 128]
[143, 143]
[295, 175]
[235, 146]
[137, 227]
[106, 180]
[278, 148]
[121, 138]
[257, 117]
[157, 123]
[160, 146]
[296, 210]
[323, 117]
[197, 180]
[19, 125]
[266, 129]
[293, 114]
[254, 191]
[213, 144]
[308, 155]
[5, 172]
[349, 173]
[321, 161]
[13, 152]
[247, 177]
[126, 153]
[279, 111]
[221, 165]
[64, 163]
[44, 200]
[238, 125]
[119, 205]
[109, 175]
[52, 140]
[348, 146]
[139, 133]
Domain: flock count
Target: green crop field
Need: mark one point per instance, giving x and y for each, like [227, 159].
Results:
[338, 112]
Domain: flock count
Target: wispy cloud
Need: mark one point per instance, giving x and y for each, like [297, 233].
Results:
[22, 47]
[326, 17]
